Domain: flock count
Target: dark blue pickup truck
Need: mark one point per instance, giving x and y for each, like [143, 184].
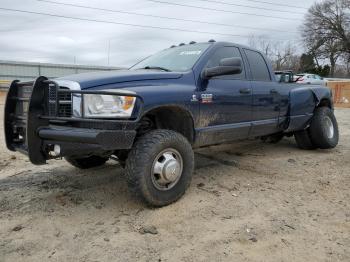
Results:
[151, 116]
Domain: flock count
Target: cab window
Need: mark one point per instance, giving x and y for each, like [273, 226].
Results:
[258, 66]
[226, 52]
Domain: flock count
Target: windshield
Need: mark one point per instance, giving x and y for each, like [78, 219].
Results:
[181, 58]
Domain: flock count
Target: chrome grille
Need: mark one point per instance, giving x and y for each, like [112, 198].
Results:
[64, 103]
[59, 103]
[52, 97]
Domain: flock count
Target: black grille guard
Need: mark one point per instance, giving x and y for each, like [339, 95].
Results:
[25, 116]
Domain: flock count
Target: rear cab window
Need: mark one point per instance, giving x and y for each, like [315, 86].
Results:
[258, 66]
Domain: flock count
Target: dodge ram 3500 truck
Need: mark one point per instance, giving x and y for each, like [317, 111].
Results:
[152, 116]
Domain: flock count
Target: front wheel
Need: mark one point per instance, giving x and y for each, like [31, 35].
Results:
[159, 167]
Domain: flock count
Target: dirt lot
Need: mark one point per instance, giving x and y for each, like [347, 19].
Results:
[248, 202]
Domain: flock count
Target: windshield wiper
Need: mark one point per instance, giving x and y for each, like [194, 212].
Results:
[158, 68]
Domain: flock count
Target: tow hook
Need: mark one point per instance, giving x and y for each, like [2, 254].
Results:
[54, 150]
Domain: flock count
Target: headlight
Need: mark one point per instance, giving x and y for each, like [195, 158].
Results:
[108, 106]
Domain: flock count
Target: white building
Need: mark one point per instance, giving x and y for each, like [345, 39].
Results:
[24, 71]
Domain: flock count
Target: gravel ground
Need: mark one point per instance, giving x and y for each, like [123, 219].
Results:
[248, 201]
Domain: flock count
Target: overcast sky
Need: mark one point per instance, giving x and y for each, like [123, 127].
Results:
[38, 38]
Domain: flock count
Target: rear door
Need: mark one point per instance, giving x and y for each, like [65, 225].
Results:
[226, 101]
[266, 96]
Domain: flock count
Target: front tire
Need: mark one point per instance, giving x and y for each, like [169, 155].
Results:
[324, 131]
[159, 167]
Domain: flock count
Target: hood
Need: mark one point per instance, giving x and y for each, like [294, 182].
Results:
[88, 80]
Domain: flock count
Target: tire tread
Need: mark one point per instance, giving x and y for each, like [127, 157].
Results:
[317, 133]
[137, 161]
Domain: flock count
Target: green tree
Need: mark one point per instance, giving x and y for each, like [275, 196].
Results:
[307, 63]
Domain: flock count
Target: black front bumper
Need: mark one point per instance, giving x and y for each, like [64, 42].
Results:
[82, 141]
[108, 139]
[32, 130]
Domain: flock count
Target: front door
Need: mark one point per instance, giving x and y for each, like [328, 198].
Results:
[225, 102]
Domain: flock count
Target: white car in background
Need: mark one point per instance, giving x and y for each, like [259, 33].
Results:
[310, 79]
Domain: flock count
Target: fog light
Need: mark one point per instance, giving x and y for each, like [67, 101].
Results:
[56, 150]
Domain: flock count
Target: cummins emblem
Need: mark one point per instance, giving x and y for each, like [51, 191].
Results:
[206, 98]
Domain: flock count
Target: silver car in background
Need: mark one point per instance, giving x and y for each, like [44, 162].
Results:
[310, 79]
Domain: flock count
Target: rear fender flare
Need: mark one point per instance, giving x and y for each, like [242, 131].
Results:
[303, 102]
[322, 94]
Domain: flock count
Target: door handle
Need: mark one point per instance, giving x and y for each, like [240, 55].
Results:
[273, 91]
[245, 91]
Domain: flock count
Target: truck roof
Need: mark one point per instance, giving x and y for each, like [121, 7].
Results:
[219, 43]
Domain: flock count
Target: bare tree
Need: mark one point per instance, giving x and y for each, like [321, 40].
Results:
[326, 30]
[283, 55]
[262, 43]
[345, 58]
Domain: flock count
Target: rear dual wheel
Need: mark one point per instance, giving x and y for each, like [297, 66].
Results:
[303, 140]
[322, 133]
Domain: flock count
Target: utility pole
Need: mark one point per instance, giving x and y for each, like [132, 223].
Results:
[75, 64]
[109, 49]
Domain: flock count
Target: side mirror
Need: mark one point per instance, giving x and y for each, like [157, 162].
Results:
[227, 66]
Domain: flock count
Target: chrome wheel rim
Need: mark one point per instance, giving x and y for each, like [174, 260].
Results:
[329, 127]
[167, 169]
